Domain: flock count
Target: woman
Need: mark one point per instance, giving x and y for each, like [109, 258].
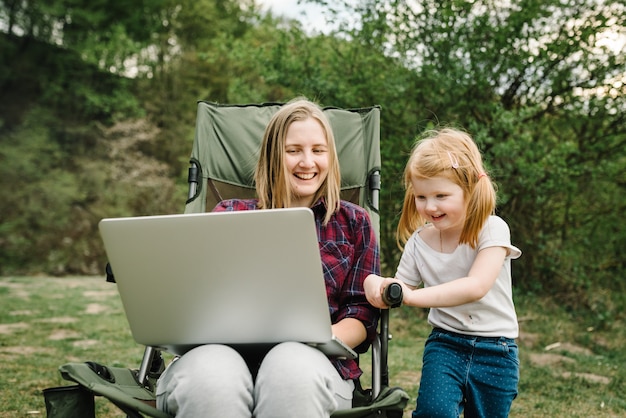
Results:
[298, 166]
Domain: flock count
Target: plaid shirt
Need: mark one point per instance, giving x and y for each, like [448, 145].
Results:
[349, 252]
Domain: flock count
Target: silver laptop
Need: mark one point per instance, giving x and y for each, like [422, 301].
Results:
[245, 277]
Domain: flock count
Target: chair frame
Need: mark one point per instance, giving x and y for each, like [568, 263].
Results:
[196, 182]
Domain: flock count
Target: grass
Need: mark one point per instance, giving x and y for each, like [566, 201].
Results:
[569, 368]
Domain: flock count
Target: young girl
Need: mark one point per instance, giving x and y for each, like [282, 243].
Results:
[298, 166]
[461, 253]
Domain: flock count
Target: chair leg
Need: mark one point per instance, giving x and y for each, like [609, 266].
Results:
[380, 346]
[146, 364]
[376, 367]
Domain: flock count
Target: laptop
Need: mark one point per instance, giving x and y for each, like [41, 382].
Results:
[244, 277]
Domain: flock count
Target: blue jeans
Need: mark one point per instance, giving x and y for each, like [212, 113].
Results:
[477, 376]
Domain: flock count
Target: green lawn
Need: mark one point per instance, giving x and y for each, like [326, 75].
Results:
[569, 368]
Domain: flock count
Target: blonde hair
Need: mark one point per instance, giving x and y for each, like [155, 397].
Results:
[271, 176]
[454, 155]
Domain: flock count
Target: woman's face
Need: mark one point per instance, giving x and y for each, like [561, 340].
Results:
[306, 160]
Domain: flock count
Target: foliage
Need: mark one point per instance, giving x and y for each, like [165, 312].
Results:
[539, 87]
[50, 211]
[540, 84]
[190, 65]
[278, 60]
[106, 34]
[98, 113]
[70, 119]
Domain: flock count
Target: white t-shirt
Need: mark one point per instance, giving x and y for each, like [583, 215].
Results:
[493, 315]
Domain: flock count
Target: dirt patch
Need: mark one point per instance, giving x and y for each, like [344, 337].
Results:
[528, 339]
[59, 320]
[18, 290]
[7, 329]
[95, 309]
[24, 312]
[100, 294]
[86, 343]
[552, 359]
[569, 348]
[16, 351]
[549, 359]
[588, 377]
[62, 334]
[74, 282]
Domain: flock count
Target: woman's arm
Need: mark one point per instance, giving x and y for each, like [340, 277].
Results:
[354, 315]
[351, 331]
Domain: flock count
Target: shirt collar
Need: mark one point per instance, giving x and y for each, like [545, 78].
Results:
[319, 207]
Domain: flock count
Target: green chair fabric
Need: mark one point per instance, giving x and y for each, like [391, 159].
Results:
[228, 139]
[121, 387]
[118, 384]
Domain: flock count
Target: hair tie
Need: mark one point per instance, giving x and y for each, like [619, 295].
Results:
[482, 175]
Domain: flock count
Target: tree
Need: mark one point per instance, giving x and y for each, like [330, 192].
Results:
[541, 88]
[539, 84]
[105, 33]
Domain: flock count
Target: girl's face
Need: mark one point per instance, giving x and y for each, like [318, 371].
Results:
[441, 202]
[306, 160]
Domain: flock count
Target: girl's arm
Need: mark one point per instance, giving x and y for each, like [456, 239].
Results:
[473, 287]
[375, 286]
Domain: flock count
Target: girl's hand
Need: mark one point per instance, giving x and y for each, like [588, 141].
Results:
[374, 287]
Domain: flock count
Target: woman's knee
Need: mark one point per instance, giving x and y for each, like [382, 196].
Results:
[298, 380]
[209, 367]
[207, 378]
[295, 361]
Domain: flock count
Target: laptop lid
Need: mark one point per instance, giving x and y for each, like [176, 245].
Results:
[222, 277]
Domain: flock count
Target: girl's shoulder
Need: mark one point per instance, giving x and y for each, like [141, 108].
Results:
[497, 223]
[426, 232]
[426, 235]
[496, 232]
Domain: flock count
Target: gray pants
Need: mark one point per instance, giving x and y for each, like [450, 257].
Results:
[294, 380]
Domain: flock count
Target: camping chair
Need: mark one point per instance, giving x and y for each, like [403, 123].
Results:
[222, 163]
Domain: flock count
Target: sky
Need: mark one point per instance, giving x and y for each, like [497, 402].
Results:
[312, 18]
[310, 15]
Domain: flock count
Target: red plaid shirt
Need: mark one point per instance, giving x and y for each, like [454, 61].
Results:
[349, 252]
